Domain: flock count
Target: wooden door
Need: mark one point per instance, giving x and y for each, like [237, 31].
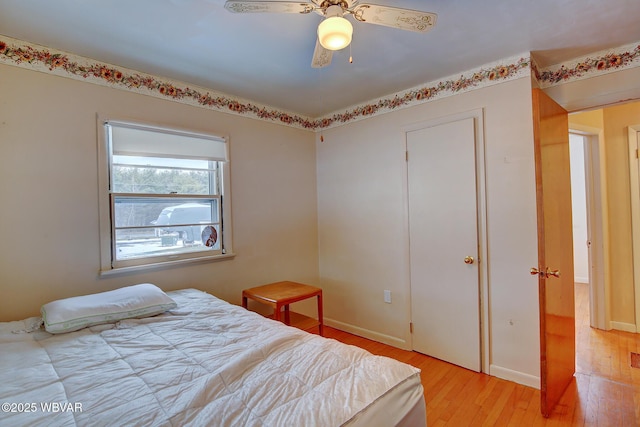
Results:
[443, 232]
[555, 249]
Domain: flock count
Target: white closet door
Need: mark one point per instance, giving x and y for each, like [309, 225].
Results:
[443, 227]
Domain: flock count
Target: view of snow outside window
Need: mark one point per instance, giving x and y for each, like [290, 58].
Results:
[164, 206]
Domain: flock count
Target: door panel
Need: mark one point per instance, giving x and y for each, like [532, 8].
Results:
[555, 249]
[443, 227]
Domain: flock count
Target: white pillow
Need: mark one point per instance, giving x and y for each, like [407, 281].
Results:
[71, 314]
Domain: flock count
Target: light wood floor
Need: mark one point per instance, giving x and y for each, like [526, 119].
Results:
[605, 392]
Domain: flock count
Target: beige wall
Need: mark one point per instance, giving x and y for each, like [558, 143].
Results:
[331, 213]
[614, 122]
[48, 185]
[49, 245]
[592, 119]
[363, 224]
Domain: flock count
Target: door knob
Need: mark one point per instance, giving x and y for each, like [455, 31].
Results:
[546, 274]
[554, 273]
[468, 259]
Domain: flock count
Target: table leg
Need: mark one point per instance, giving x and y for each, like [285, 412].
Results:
[320, 318]
[244, 301]
[276, 313]
[287, 318]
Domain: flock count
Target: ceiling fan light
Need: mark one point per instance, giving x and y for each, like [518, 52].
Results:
[335, 33]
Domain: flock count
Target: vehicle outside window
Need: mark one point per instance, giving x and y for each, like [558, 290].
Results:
[185, 222]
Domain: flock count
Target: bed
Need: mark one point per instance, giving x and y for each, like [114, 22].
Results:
[203, 363]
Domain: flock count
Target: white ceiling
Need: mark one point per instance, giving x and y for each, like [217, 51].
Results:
[266, 57]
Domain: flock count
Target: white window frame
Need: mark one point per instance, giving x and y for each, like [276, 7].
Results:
[108, 265]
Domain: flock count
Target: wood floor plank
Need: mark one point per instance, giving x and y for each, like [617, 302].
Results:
[605, 392]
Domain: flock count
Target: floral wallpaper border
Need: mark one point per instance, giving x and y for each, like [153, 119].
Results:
[488, 75]
[39, 58]
[19, 53]
[602, 62]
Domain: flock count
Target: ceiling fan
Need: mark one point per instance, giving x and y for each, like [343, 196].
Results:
[334, 32]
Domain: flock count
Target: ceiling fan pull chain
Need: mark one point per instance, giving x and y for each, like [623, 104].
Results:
[321, 103]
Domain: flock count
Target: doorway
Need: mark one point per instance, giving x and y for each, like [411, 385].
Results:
[634, 183]
[589, 218]
[587, 222]
[579, 208]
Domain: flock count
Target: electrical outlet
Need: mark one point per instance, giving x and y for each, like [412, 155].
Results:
[387, 297]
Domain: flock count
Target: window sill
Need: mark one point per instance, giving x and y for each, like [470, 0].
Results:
[162, 265]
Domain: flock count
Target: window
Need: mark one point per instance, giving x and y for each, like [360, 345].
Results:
[165, 196]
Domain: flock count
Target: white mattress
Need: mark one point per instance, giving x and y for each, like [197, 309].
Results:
[207, 363]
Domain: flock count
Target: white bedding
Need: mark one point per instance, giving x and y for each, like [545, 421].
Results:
[205, 363]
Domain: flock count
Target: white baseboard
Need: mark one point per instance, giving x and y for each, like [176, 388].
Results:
[366, 333]
[515, 376]
[625, 327]
[494, 370]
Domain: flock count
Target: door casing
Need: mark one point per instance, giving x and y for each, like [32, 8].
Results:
[634, 182]
[478, 120]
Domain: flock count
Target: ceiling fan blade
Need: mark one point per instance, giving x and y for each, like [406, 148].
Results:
[268, 6]
[405, 19]
[321, 56]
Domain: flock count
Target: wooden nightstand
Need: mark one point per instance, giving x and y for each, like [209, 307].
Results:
[281, 294]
